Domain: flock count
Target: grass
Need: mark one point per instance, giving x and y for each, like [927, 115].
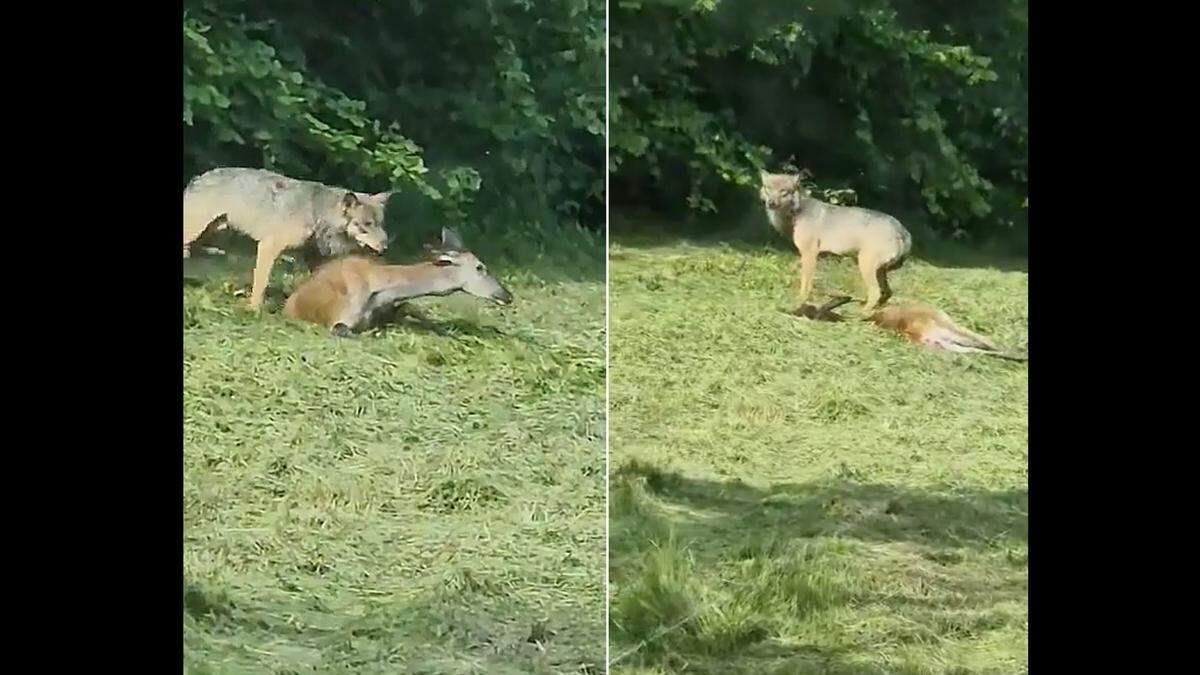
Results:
[425, 499]
[793, 496]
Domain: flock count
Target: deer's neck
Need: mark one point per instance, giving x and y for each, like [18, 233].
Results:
[401, 282]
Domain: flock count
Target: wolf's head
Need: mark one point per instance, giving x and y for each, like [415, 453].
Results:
[364, 219]
[469, 273]
[780, 189]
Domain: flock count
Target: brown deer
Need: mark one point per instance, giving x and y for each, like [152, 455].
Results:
[351, 294]
[920, 325]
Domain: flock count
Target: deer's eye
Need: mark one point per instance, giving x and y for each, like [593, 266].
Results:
[479, 268]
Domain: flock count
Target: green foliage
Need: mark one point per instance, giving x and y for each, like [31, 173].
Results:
[916, 107]
[490, 113]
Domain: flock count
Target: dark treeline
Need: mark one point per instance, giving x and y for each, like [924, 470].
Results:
[919, 107]
[485, 113]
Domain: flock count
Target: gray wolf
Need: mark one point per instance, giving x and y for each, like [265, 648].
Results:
[281, 214]
[816, 227]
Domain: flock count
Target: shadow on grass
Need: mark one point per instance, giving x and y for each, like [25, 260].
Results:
[750, 233]
[725, 513]
[468, 626]
[768, 658]
[406, 319]
[723, 577]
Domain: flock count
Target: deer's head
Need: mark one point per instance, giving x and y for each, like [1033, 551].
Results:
[467, 272]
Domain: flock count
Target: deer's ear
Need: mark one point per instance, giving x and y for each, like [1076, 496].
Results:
[443, 260]
[450, 240]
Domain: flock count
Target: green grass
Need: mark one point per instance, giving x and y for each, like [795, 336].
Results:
[793, 496]
[425, 499]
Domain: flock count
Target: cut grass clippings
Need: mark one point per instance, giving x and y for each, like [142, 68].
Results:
[792, 496]
[428, 498]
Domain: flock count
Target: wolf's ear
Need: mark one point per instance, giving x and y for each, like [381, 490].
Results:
[349, 200]
[450, 240]
[380, 198]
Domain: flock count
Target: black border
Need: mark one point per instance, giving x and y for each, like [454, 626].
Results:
[111, 555]
[117, 381]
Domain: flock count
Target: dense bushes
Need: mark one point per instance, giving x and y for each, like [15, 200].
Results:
[919, 106]
[488, 112]
[493, 112]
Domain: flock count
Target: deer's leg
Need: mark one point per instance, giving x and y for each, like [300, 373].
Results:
[383, 304]
[351, 320]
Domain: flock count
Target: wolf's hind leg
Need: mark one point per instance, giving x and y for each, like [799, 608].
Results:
[870, 270]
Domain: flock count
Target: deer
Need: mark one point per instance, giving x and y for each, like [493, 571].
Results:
[352, 294]
[920, 325]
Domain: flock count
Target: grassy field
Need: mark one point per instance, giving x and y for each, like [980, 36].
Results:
[426, 499]
[800, 497]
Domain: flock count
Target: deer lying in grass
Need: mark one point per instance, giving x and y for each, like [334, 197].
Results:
[924, 326]
[352, 294]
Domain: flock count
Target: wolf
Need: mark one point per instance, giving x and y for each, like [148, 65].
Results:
[816, 227]
[351, 294]
[282, 214]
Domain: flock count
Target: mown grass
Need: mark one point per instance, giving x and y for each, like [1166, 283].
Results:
[793, 496]
[425, 499]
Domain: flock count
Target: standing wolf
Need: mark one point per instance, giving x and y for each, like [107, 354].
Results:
[816, 227]
[281, 214]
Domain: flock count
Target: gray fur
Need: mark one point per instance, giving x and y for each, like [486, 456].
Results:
[256, 201]
[841, 229]
[282, 214]
[880, 241]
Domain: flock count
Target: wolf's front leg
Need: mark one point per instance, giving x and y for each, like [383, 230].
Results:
[268, 250]
[808, 269]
